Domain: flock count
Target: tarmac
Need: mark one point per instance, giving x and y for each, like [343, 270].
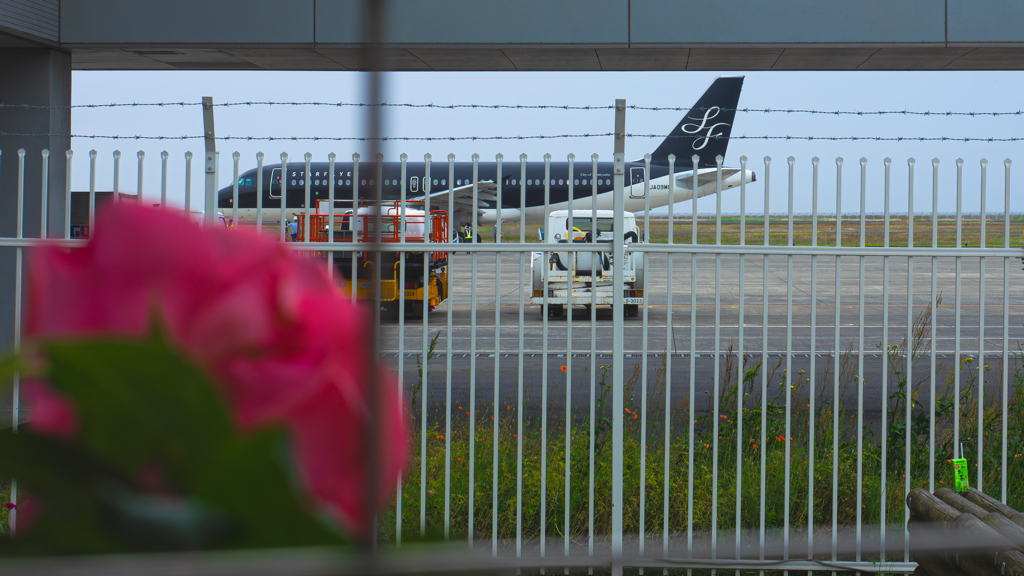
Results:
[475, 367]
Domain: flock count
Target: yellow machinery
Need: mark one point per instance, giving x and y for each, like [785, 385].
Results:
[429, 272]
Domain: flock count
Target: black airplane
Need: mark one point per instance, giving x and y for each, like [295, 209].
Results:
[703, 131]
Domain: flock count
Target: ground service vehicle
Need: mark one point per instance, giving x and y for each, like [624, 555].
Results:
[577, 278]
[421, 225]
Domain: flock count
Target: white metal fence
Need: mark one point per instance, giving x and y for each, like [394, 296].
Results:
[716, 317]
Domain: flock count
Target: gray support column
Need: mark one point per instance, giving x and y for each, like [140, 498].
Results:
[40, 77]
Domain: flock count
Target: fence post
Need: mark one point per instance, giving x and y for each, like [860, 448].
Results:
[618, 315]
[210, 206]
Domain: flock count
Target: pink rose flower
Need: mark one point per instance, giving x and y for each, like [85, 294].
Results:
[270, 327]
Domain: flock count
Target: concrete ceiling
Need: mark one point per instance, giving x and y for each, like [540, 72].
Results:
[539, 35]
[488, 58]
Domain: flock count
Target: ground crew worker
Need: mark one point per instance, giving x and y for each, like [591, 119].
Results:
[293, 228]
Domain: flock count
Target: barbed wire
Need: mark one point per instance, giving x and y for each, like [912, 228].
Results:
[529, 137]
[343, 104]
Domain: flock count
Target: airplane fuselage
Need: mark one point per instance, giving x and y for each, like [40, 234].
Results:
[521, 193]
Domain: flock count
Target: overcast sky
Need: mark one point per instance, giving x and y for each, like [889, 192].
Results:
[863, 91]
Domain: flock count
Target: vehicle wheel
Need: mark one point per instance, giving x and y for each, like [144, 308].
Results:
[632, 310]
[389, 310]
[414, 309]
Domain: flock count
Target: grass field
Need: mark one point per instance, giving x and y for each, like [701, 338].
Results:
[803, 233]
[747, 448]
[874, 233]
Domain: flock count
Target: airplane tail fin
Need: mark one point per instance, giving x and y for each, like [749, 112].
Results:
[705, 129]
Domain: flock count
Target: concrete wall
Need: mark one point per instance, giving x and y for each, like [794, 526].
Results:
[42, 77]
[547, 34]
[543, 22]
[36, 19]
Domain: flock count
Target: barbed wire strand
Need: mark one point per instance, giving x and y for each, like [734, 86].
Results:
[530, 137]
[526, 107]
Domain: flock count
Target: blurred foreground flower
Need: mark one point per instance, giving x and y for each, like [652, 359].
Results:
[267, 327]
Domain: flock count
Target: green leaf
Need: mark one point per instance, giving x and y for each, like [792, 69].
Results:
[157, 463]
[10, 365]
[64, 477]
[140, 402]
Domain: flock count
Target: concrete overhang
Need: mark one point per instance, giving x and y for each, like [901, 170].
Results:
[542, 35]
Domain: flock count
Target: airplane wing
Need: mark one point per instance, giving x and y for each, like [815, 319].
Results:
[704, 176]
[463, 197]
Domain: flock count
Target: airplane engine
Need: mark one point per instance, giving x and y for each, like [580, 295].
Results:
[489, 216]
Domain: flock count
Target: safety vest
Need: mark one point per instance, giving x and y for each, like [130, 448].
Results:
[469, 233]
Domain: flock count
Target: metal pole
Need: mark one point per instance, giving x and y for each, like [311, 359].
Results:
[115, 195]
[373, 60]
[163, 179]
[210, 206]
[67, 197]
[141, 155]
[12, 516]
[44, 189]
[618, 309]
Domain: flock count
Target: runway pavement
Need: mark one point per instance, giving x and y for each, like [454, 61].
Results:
[473, 350]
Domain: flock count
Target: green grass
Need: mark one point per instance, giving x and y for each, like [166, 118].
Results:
[5, 497]
[747, 448]
[803, 233]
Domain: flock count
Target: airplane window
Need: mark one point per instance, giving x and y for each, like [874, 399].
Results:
[552, 181]
[248, 181]
[363, 182]
[560, 181]
[458, 182]
[435, 181]
[443, 182]
[529, 182]
[576, 182]
[241, 181]
[293, 182]
[348, 182]
[512, 182]
[371, 182]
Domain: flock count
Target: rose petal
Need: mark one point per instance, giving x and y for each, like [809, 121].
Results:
[52, 412]
[330, 435]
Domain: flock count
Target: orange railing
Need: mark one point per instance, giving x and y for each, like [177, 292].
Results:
[436, 227]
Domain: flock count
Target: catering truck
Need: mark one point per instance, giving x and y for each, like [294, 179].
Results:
[568, 277]
[425, 269]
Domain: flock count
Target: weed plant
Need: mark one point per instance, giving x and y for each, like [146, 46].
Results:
[759, 402]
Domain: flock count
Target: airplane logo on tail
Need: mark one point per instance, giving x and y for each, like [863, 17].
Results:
[703, 129]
